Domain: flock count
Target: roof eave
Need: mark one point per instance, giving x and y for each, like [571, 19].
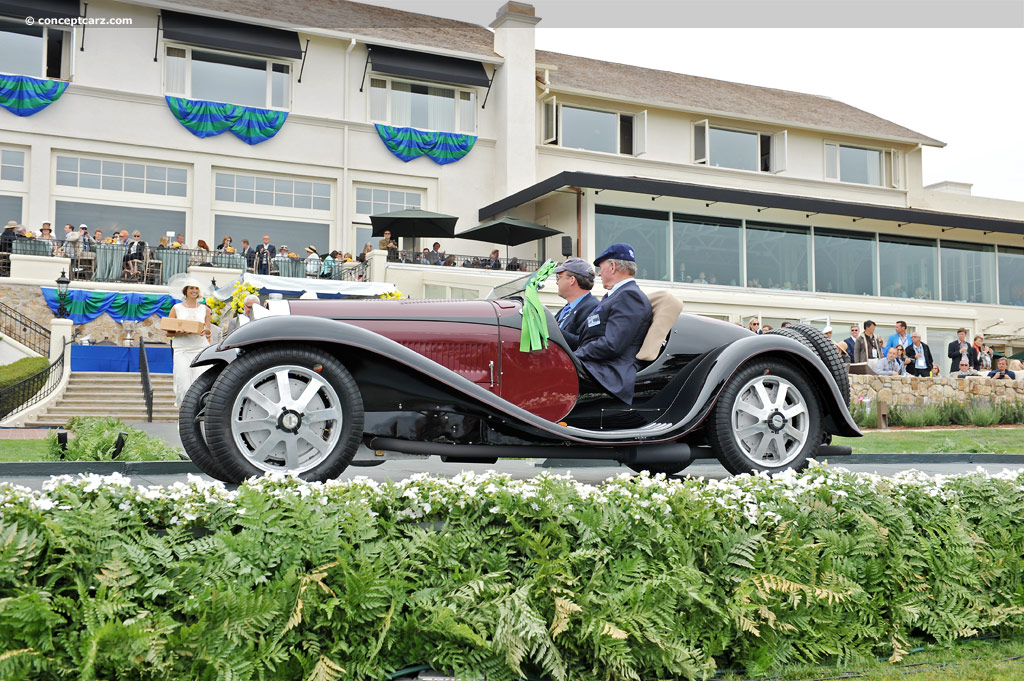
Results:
[924, 141]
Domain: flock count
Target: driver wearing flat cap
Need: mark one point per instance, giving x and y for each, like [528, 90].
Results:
[615, 330]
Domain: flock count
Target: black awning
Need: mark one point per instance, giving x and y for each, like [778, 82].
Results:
[428, 66]
[233, 36]
[763, 200]
[49, 9]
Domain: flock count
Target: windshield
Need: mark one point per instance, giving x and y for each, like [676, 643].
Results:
[517, 285]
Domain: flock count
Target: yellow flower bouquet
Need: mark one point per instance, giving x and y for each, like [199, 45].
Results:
[293, 255]
[30, 235]
[393, 295]
[241, 292]
[229, 249]
[175, 244]
[217, 308]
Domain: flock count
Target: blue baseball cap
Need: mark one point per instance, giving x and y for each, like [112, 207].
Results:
[616, 252]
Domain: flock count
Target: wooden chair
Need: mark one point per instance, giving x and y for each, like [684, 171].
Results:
[154, 269]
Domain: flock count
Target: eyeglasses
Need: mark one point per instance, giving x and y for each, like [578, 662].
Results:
[755, 323]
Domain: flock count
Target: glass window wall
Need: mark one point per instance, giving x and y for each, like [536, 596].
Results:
[1011, 275]
[10, 209]
[21, 48]
[907, 267]
[152, 222]
[844, 262]
[778, 256]
[229, 78]
[291, 233]
[707, 250]
[647, 231]
[968, 272]
[863, 166]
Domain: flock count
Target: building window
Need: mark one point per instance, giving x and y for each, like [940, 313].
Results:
[12, 165]
[1011, 275]
[647, 231]
[575, 127]
[422, 106]
[844, 262]
[377, 201]
[37, 51]
[778, 257]
[739, 149]
[968, 272]
[907, 267]
[226, 77]
[860, 166]
[272, 191]
[294, 234]
[707, 250]
[152, 222]
[121, 176]
[10, 209]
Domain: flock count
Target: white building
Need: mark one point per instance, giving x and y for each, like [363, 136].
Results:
[787, 205]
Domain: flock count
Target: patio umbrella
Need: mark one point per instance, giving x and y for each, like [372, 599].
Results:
[414, 223]
[509, 231]
[1018, 355]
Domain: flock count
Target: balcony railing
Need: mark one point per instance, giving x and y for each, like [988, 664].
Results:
[470, 261]
[113, 263]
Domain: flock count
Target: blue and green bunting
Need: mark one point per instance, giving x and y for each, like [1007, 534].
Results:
[207, 119]
[24, 96]
[440, 147]
[86, 306]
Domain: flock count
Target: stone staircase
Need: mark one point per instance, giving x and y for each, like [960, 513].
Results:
[116, 394]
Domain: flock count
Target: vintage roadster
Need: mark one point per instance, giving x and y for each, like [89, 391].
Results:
[325, 384]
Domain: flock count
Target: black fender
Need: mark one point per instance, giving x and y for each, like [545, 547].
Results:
[704, 384]
[213, 355]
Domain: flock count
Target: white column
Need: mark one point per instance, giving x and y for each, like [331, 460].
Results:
[514, 98]
[38, 207]
[60, 332]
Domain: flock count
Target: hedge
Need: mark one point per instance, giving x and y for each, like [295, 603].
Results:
[482, 576]
[21, 369]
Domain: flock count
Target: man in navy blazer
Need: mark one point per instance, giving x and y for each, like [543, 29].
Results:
[615, 330]
[574, 278]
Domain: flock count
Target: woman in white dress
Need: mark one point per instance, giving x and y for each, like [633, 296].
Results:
[187, 346]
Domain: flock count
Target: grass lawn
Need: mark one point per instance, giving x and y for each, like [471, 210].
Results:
[992, 440]
[969, 661]
[23, 450]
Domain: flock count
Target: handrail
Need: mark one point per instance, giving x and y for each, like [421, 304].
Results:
[25, 330]
[34, 389]
[147, 385]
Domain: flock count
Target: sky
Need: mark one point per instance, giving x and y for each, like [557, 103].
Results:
[961, 86]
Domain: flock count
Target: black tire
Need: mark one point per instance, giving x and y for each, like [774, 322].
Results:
[790, 332]
[828, 353]
[730, 419]
[250, 385]
[192, 422]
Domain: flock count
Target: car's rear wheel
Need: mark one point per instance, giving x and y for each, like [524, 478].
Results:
[828, 353]
[192, 424]
[285, 409]
[767, 418]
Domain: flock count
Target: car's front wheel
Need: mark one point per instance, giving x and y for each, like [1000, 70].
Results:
[288, 409]
[192, 424]
[767, 418]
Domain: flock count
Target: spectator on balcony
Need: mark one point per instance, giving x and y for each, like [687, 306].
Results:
[247, 252]
[136, 253]
[1002, 370]
[754, 325]
[181, 240]
[390, 245]
[282, 254]
[983, 353]
[436, 256]
[46, 234]
[367, 249]
[68, 229]
[852, 340]
[494, 262]
[513, 265]
[224, 244]
[97, 236]
[164, 243]
[327, 265]
[83, 237]
[265, 252]
[450, 261]
[312, 261]
[424, 257]
[124, 238]
[347, 257]
[8, 237]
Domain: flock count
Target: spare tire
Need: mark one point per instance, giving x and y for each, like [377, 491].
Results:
[828, 353]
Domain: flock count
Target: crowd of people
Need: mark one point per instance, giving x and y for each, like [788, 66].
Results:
[436, 256]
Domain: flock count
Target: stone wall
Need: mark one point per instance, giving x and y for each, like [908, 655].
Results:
[907, 391]
[28, 300]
